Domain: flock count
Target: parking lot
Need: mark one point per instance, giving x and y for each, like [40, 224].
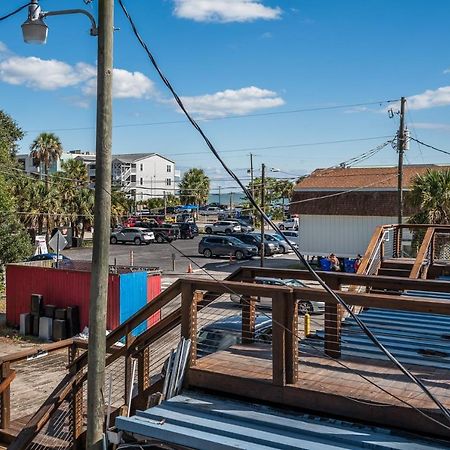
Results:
[161, 255]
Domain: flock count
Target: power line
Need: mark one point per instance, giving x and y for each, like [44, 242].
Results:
[430, 146]
[20, 8]
[334, 295]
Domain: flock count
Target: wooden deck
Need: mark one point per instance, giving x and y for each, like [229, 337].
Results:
[325, 386]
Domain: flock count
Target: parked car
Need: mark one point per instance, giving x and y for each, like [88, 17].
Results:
[292, 235]
[245, 226]
[224, 246]
[270, 248]
[188, 230]
[48, 257]
[135, 235]
[284, 247]
[226, 332]
[163, 232]
[266, 302]
[210, 211]
[224, 226]
[289, 224]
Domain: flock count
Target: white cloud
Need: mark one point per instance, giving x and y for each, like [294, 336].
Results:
[447, 71]
[125, 85]
[232, 102]
[43, 74]
[432, 126]
[430, 98]
[51, 74]
[225, 10]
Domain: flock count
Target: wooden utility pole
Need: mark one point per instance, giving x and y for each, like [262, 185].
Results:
[263, 188]
[401, 149]
[165, 205]
[102, 219]
[251, 180]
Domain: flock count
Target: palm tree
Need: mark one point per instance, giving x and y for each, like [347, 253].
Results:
[45, 149]
[76, 170]
[430, 196]
[194, 187]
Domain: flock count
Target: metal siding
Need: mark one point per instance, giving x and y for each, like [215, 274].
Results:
[133, 296]
[61, 288]
[346, 236]
[208, 422]
[153, 289]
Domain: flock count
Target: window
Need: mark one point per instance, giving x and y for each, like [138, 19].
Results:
[133, 178]
[142, 167]
[169, 168]
[168, 181]
[142, 181]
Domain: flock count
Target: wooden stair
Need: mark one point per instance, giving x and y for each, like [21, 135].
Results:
[398, 267]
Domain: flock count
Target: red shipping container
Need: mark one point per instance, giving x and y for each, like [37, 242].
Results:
[62, 288]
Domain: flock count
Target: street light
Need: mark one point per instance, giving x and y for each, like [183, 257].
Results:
[35, 30]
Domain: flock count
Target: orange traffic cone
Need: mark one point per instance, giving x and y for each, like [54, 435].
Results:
[189, 269]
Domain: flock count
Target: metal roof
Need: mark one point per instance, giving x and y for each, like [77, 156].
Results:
[205, 422]
[133, 157]
[412, 337]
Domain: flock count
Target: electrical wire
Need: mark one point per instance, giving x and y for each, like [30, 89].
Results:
[430, 146]
[20, 8]
[335, 296]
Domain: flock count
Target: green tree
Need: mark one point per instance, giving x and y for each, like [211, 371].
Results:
[194, 187]
[45, 149]
[430, 197]
[15, 243]
[120, 206]
[10, 134]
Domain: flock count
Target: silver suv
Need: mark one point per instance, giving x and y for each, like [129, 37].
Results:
[135, 235]
[223, 226]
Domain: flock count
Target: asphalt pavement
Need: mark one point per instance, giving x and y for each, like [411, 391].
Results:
[184, 252]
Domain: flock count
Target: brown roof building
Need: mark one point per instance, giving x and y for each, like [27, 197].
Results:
[360, 191]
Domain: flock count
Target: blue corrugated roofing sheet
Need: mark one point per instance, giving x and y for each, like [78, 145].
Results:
[206, 422]
[412, 337]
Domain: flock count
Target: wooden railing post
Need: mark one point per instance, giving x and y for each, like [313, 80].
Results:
[278, 340]
[189, 319]
[248, 319]
[128, 363]
[333, 326]
[5, 397]
[143, 369]
[291, 338]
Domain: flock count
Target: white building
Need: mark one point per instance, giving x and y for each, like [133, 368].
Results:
[144, 175]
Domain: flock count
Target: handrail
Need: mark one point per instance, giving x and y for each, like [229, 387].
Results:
[377, 237]
[20, 356]
[7, 381]
[339, 278]
[40, 418]
[422, 253]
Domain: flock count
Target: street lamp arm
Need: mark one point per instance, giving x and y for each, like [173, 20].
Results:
[94, 29]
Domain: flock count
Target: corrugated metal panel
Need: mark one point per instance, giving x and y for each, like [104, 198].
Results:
[207, 422]
[133, 296]
[153, 289]
[412, 337]
[59, 287]
[345, 236]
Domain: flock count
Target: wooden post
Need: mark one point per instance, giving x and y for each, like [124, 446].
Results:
[5, 397]
[144, 370]
[278, 340]
[291, 338]
[189, 319]
[77, 415]
[248, 319]
[128, 342]
[333, 326]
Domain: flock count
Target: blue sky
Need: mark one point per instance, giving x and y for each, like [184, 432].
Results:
[238, 58]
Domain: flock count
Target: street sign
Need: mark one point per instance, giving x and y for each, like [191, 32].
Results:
[58, 242]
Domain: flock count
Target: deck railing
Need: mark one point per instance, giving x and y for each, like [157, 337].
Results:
[191, 305]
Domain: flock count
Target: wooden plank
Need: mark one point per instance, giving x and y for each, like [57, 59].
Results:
[291, 339]
[5, 396]
[332, 345]
[422, 253]
[7, 381]
[279, 340]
